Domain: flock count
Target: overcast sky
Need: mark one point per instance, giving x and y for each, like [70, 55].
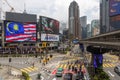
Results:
[57, 9]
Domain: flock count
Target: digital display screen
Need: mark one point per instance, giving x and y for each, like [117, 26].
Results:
[49, 37]
[114, 7]
[19, 32]
[20, 17]
[115, 23]
[49, 25]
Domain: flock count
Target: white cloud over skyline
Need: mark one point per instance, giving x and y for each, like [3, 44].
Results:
[57, 9]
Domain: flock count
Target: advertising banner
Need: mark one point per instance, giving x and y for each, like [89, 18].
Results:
[49, 37]
[114, 7]
[19, 32]
[115, 23]
[49, 25]
[20, 17]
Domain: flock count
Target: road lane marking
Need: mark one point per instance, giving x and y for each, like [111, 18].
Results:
[54, 79]
[65, 66]
[58, 66]
[111, 74]
[31, 68]
[24, 71]
[33, 74]
[27, 69]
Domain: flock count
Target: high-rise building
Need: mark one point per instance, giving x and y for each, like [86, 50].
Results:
[0, 9]
[104, 16]
[63, 26]
[88, 30]
[65, 33]
[95, 27]
[74, 21]
[1, 33]
[83, 23]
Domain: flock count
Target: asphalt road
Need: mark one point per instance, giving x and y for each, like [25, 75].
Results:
[65, 60]
[25, 62]
[112, 74]
[111, 62]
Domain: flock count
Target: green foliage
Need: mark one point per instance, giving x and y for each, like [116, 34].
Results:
[26, 75]
[95, 77]
[101, 75]
[67, 49]
[39, 76]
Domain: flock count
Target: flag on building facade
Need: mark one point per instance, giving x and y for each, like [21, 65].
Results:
[16, 31]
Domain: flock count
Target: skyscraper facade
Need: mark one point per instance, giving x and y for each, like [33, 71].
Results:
[104, 16]
[74, 21]
[89, 32]
[83, 23]
[63, 26]
[95, 27]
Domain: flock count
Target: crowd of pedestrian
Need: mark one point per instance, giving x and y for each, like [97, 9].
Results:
[77, 68]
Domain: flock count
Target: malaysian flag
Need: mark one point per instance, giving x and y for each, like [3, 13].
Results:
[20, 32]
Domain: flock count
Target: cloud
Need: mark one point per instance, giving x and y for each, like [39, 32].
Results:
[57, 9]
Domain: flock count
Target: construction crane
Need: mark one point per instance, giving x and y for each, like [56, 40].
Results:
[2, 11]
[12, 9]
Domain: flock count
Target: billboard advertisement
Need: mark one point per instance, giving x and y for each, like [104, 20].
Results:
[49, 37]
[20, 17]
[19, 32]
[115, 23]
[114, 7]
[49, 25]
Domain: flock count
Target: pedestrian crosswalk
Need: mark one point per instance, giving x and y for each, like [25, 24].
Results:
[73, 55]
[66, 66]
[69, 60]
[108, 65]
[109, 60]
[29, 69]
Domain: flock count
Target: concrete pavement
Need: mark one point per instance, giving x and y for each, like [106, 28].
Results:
[6, 73]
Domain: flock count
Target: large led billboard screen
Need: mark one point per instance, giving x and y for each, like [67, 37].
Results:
[20, 17]
[114, 7]
[49, 25]
[115, 23]
[49, 37]
[19, 32]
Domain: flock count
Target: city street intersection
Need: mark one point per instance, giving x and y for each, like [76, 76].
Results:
[34, 66]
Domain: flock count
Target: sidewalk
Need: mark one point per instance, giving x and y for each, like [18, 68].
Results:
[6, 74]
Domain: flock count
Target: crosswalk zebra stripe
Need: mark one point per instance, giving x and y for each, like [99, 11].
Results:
[108, 65]
[24, 70]
[28, 69]
[31, 68]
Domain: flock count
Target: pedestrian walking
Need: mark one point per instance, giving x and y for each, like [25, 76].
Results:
[72, 68]
[68, 62]
[69, 67]
[33, 64]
